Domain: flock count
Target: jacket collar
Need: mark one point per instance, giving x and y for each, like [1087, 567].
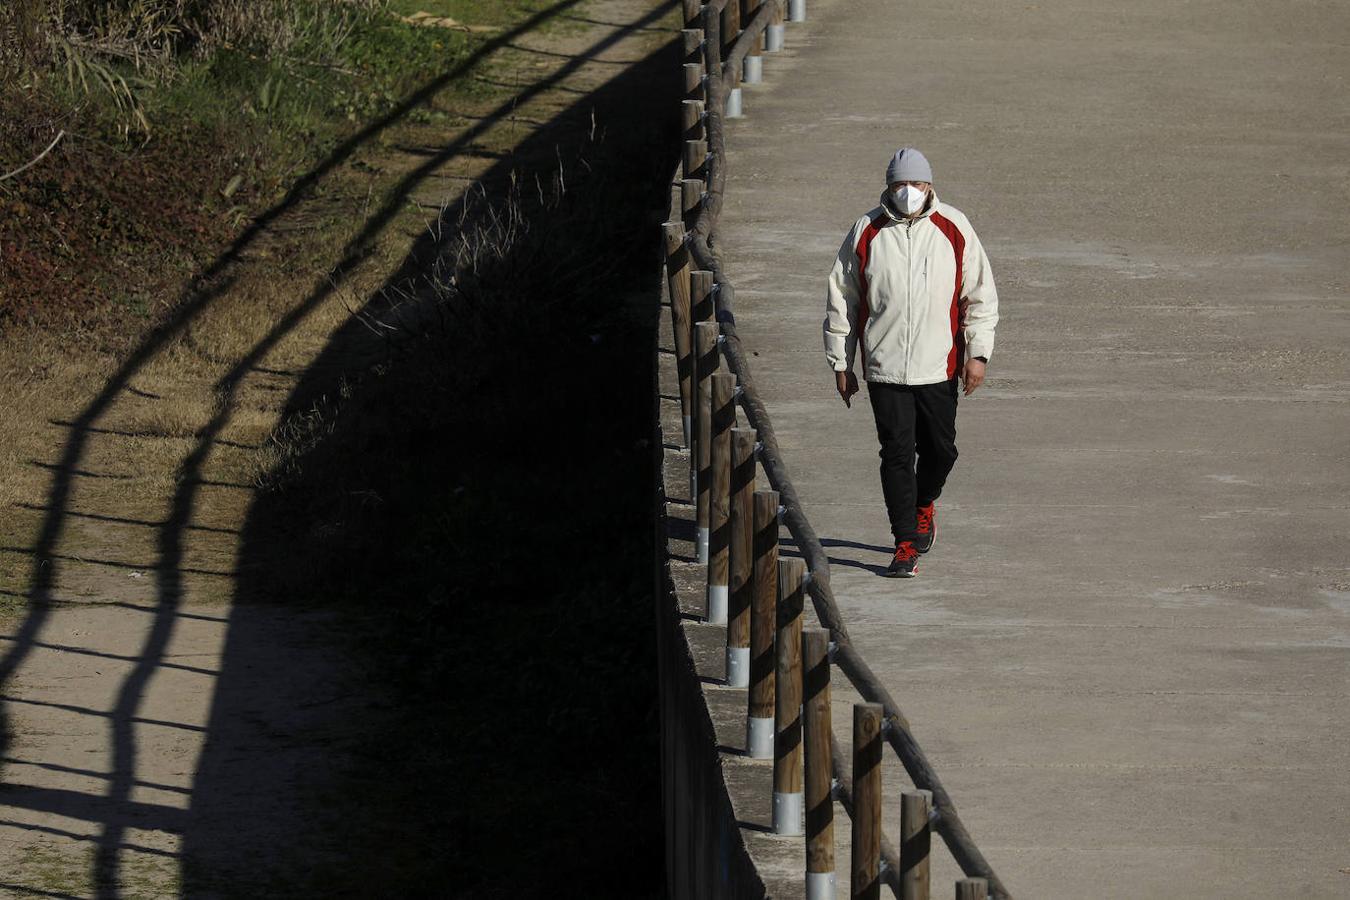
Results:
[929, 208]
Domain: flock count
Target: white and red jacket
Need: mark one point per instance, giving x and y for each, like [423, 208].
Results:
[918, 292]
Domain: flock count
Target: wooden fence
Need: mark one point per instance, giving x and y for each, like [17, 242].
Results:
[786, 669]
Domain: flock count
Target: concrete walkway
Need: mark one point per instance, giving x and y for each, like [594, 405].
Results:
[1128, 655]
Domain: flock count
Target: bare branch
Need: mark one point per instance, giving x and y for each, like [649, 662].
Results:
[32, 162]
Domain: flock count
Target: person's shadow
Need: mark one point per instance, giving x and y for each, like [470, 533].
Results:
[788, 548]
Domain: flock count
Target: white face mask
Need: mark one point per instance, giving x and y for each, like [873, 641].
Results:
[909, 199]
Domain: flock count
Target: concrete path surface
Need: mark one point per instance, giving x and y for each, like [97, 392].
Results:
[1128, 655]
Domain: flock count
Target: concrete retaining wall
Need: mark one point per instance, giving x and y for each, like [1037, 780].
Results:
[705, 856]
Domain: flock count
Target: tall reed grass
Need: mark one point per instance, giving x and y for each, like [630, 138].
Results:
[114, 49]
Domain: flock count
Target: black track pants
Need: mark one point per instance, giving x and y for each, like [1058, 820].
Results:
[914, 419]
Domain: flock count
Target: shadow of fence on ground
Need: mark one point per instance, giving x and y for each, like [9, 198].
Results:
[548, 438]
[480, 500]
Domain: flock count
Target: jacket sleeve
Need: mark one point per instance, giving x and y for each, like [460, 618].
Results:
[979, 300]
[841, 306]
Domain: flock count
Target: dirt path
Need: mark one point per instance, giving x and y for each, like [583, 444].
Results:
[127, 485]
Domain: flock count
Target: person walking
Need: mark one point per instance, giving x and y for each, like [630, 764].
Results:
[912, 285]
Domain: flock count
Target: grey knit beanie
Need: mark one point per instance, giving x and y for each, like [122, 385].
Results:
[909, 164]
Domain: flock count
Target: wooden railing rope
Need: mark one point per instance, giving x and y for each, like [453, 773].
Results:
[700, 244]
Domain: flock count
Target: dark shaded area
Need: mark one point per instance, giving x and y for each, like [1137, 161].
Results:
[203, 293]
[475, 500]
[464, 514]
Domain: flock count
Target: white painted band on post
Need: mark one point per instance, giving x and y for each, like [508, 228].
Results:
[734, 104]
[717, 604]
[703, 544]
[688, 431]
[754, 69]
[774, 38]
[787, 813]
[693, 477]
[819, 886]
[796, 10]
[738, 667]
[759, 736]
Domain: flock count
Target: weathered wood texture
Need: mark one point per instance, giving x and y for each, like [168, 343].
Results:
[972, 889]
[742, 536]
[787, 744]
[719, 500]
[705, 364]
[693, 12]
[693, 81]
[692, 41]
[691, 200]
[695, 163]
[677, 280]
[865, 872]
[763, 603]
[914, 845]
[819, 765]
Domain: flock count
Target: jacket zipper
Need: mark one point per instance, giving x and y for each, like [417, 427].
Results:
[909, 330]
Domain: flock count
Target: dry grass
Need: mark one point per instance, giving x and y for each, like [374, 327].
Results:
[113, 50]
[147, 33]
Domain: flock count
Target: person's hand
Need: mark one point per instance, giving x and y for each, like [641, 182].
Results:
[972, 376]
[847, 384]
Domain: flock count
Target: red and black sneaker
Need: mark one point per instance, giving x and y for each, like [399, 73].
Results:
[927, 529]
[905, 562]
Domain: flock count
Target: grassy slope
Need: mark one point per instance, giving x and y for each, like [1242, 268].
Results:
[96, 238]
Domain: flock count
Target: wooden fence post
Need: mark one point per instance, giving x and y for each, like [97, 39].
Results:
[865, 877]
[819, 765]
[972, 889]
[691, 119]
[693, 44]
[700, 306]
[677, 279]
[693, 81]
[787, 728]
[776, 32]
[763, 623]
[701, 295]
[754, 60]
[914, 844]
[705, 365]
[731, 29]
[691, 201]
[719, 501]
[731, 25]
[695, 161]
[741, 556]
[692, 11]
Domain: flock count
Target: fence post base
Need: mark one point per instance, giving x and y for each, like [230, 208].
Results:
[759, 737]
[754, 69]
[796, 10]
[774, 38]
[717, 604]
[787, 813]
[738, 667]
[734, 110]
[820, 886]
